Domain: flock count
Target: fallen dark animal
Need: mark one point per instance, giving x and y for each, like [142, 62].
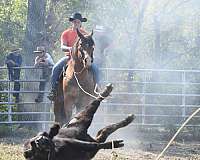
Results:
[72, 142]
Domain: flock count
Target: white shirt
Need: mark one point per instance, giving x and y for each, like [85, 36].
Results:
[47, 58]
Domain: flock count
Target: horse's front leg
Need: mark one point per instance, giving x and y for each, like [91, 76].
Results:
[68, 107]
[59, 106]
[59, 112]
[70, 94]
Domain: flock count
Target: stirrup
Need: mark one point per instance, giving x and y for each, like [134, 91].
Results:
[52, 96]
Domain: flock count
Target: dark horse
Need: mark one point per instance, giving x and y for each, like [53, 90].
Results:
[78, 80]
[72, 142]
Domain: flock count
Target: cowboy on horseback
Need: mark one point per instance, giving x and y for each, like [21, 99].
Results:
[68, 39]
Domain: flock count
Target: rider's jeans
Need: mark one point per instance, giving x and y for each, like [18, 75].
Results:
[57, 70]
[58, 67]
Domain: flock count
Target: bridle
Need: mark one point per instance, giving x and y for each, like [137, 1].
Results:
[83, 48]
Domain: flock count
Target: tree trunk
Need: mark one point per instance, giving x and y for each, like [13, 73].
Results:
[136, 38]
[34, 36]
[134, 43]
[35, 28]
[157, 54]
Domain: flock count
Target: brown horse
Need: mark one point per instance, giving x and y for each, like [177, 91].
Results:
[78, 83]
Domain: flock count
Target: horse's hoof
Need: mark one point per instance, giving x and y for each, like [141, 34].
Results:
[109, 86]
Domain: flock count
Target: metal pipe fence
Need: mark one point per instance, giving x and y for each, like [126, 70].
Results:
[157, 97]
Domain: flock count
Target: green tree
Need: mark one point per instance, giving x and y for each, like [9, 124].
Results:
[12, 25]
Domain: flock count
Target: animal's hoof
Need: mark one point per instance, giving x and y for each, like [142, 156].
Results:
[108, 89]
[118, 143]
[130, 118]
[110, 145]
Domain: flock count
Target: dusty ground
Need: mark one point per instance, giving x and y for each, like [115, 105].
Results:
[147, 151]
[138, 146]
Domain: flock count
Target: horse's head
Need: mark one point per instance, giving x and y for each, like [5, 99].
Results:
[85, 48]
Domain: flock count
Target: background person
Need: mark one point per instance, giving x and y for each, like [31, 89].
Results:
[45, 61]
[103, 40]
[14, 59]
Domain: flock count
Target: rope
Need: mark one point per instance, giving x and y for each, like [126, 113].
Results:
[99, 95]
[80, 71]
[114, 154]
[188, 119]
[95, 89]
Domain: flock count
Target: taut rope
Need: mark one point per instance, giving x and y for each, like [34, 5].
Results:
[99, 95]
[80, 71]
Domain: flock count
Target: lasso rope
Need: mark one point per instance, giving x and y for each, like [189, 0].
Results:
[114, 154]
[80, 71]
[95, 89]
[183, 125]
[99, 95]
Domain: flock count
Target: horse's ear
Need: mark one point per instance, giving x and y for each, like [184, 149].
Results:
[80, 34]
[91, 34]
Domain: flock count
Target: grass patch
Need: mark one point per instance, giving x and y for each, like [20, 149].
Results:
[11, 152]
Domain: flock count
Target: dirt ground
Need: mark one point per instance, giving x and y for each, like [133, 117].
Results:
[175, 152]
[133, 151]
[138, 146]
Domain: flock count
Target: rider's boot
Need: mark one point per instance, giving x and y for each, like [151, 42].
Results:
[52, 95]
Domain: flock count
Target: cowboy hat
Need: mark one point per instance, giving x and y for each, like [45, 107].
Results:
[39, 49]
[77, 16]
[14, 48]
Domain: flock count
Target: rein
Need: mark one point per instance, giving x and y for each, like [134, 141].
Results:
[80, 71]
